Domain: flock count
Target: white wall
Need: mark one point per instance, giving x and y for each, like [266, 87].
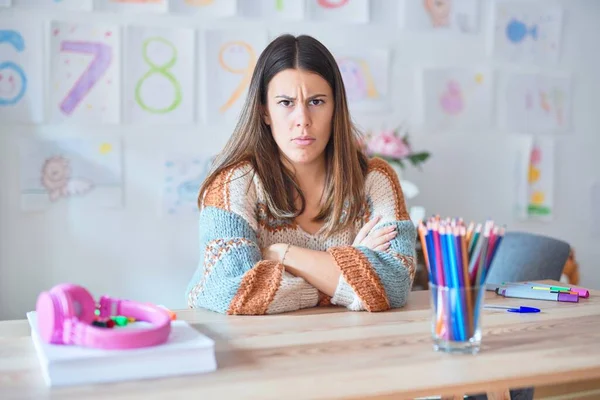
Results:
[134, 252]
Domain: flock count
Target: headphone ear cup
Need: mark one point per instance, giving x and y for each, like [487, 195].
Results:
[78, 302]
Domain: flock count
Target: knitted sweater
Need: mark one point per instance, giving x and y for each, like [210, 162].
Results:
[235, 225]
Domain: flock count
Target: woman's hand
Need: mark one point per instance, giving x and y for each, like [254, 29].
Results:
[378, 239]
[274, 252]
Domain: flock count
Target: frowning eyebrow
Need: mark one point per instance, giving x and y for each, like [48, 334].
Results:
[283, 96]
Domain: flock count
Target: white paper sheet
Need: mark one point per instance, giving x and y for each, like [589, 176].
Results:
[443, 15]
[537, 103]
[351, 11]
[84, 172]
[456, 97]
[526, 32]
[21, 80]
[160, 72]
[83, 5]
[145, 6]
[204, 8]
[183, 176]
[230, 57]
[84, 73]
[273, 9]
[540, 204]
[366, 77]
[523, 147]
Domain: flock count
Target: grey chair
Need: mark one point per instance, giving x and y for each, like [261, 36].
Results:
[524, 256]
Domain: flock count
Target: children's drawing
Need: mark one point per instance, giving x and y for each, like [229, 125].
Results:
[184, 175]
[21, 91]
[206, 8]
[456, 98]
[83, 5]
[160, 69]
[537, 103]
[84, 73]
[541, 180]
[230, 60]
[276, 9]
[351, 11]
[158, 6]
[446, 15]
[80, 170]
[365, 75]
[527, 32]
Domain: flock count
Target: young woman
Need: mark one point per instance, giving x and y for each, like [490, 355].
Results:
[293, 214]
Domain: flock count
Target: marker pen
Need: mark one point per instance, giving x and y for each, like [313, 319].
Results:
[527, 293]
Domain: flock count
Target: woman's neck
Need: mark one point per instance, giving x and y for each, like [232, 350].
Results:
[311, 179]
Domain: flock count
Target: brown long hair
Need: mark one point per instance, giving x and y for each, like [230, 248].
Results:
[252, 141]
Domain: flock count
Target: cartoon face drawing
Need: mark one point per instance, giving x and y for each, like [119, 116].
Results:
[439, 11]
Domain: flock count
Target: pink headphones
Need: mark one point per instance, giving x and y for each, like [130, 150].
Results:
[66, 312]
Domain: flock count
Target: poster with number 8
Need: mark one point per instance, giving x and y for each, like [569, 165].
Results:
[230, 59]
[84, 73]
[21, 90]
[160, 75]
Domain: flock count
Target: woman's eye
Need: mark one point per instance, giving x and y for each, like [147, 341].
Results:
[285, 103]
[316, 102]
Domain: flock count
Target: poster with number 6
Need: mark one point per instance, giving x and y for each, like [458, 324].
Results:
[230, 57]
[160, 75]
[84, 73]
[21, 90]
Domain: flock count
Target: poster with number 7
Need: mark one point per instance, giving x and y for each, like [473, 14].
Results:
[230, 57]
[84, 73]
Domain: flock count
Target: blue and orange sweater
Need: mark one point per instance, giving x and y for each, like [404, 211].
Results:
[235, 225]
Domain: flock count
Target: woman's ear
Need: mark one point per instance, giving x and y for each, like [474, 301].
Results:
[265, 115]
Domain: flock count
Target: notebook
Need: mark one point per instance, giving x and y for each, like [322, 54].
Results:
[187, 351]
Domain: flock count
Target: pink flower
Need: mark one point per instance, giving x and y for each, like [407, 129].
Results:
[389, 145]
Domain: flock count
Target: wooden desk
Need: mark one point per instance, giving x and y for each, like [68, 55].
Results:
[332, 353]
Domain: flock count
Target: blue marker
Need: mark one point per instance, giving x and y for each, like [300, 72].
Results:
[520, 310]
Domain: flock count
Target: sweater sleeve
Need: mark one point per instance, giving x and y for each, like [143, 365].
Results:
[231, 276]
[379, 280]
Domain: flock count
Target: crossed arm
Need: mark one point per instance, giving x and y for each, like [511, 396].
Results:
[319, 268]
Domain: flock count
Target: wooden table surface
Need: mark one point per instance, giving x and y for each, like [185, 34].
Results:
[333, 353]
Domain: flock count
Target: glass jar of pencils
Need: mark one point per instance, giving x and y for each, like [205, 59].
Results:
[456, 318]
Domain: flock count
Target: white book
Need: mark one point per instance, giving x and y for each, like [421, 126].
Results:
[186, 352]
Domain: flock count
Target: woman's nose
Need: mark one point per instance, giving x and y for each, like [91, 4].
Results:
[302, 118]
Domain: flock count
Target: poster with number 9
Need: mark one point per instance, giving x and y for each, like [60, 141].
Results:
[230, 58]
[21, 90]
[84, 73]
[160, 75]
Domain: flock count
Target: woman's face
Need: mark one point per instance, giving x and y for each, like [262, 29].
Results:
[300, 112]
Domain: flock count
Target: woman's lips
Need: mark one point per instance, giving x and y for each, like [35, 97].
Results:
[304, 141]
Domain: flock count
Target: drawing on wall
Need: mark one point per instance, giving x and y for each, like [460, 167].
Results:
[527, 32]
[455, 15]
[230, 59]
[205, 8]
[21, 90]
[280, 9]
[84, 73]
[131, 5]
[365, 75]
[160, 70]
[541, 180]
[351, 11]
[537, 103]
[85, 171]
[183, 177]
[456, 97]
[83, 5]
